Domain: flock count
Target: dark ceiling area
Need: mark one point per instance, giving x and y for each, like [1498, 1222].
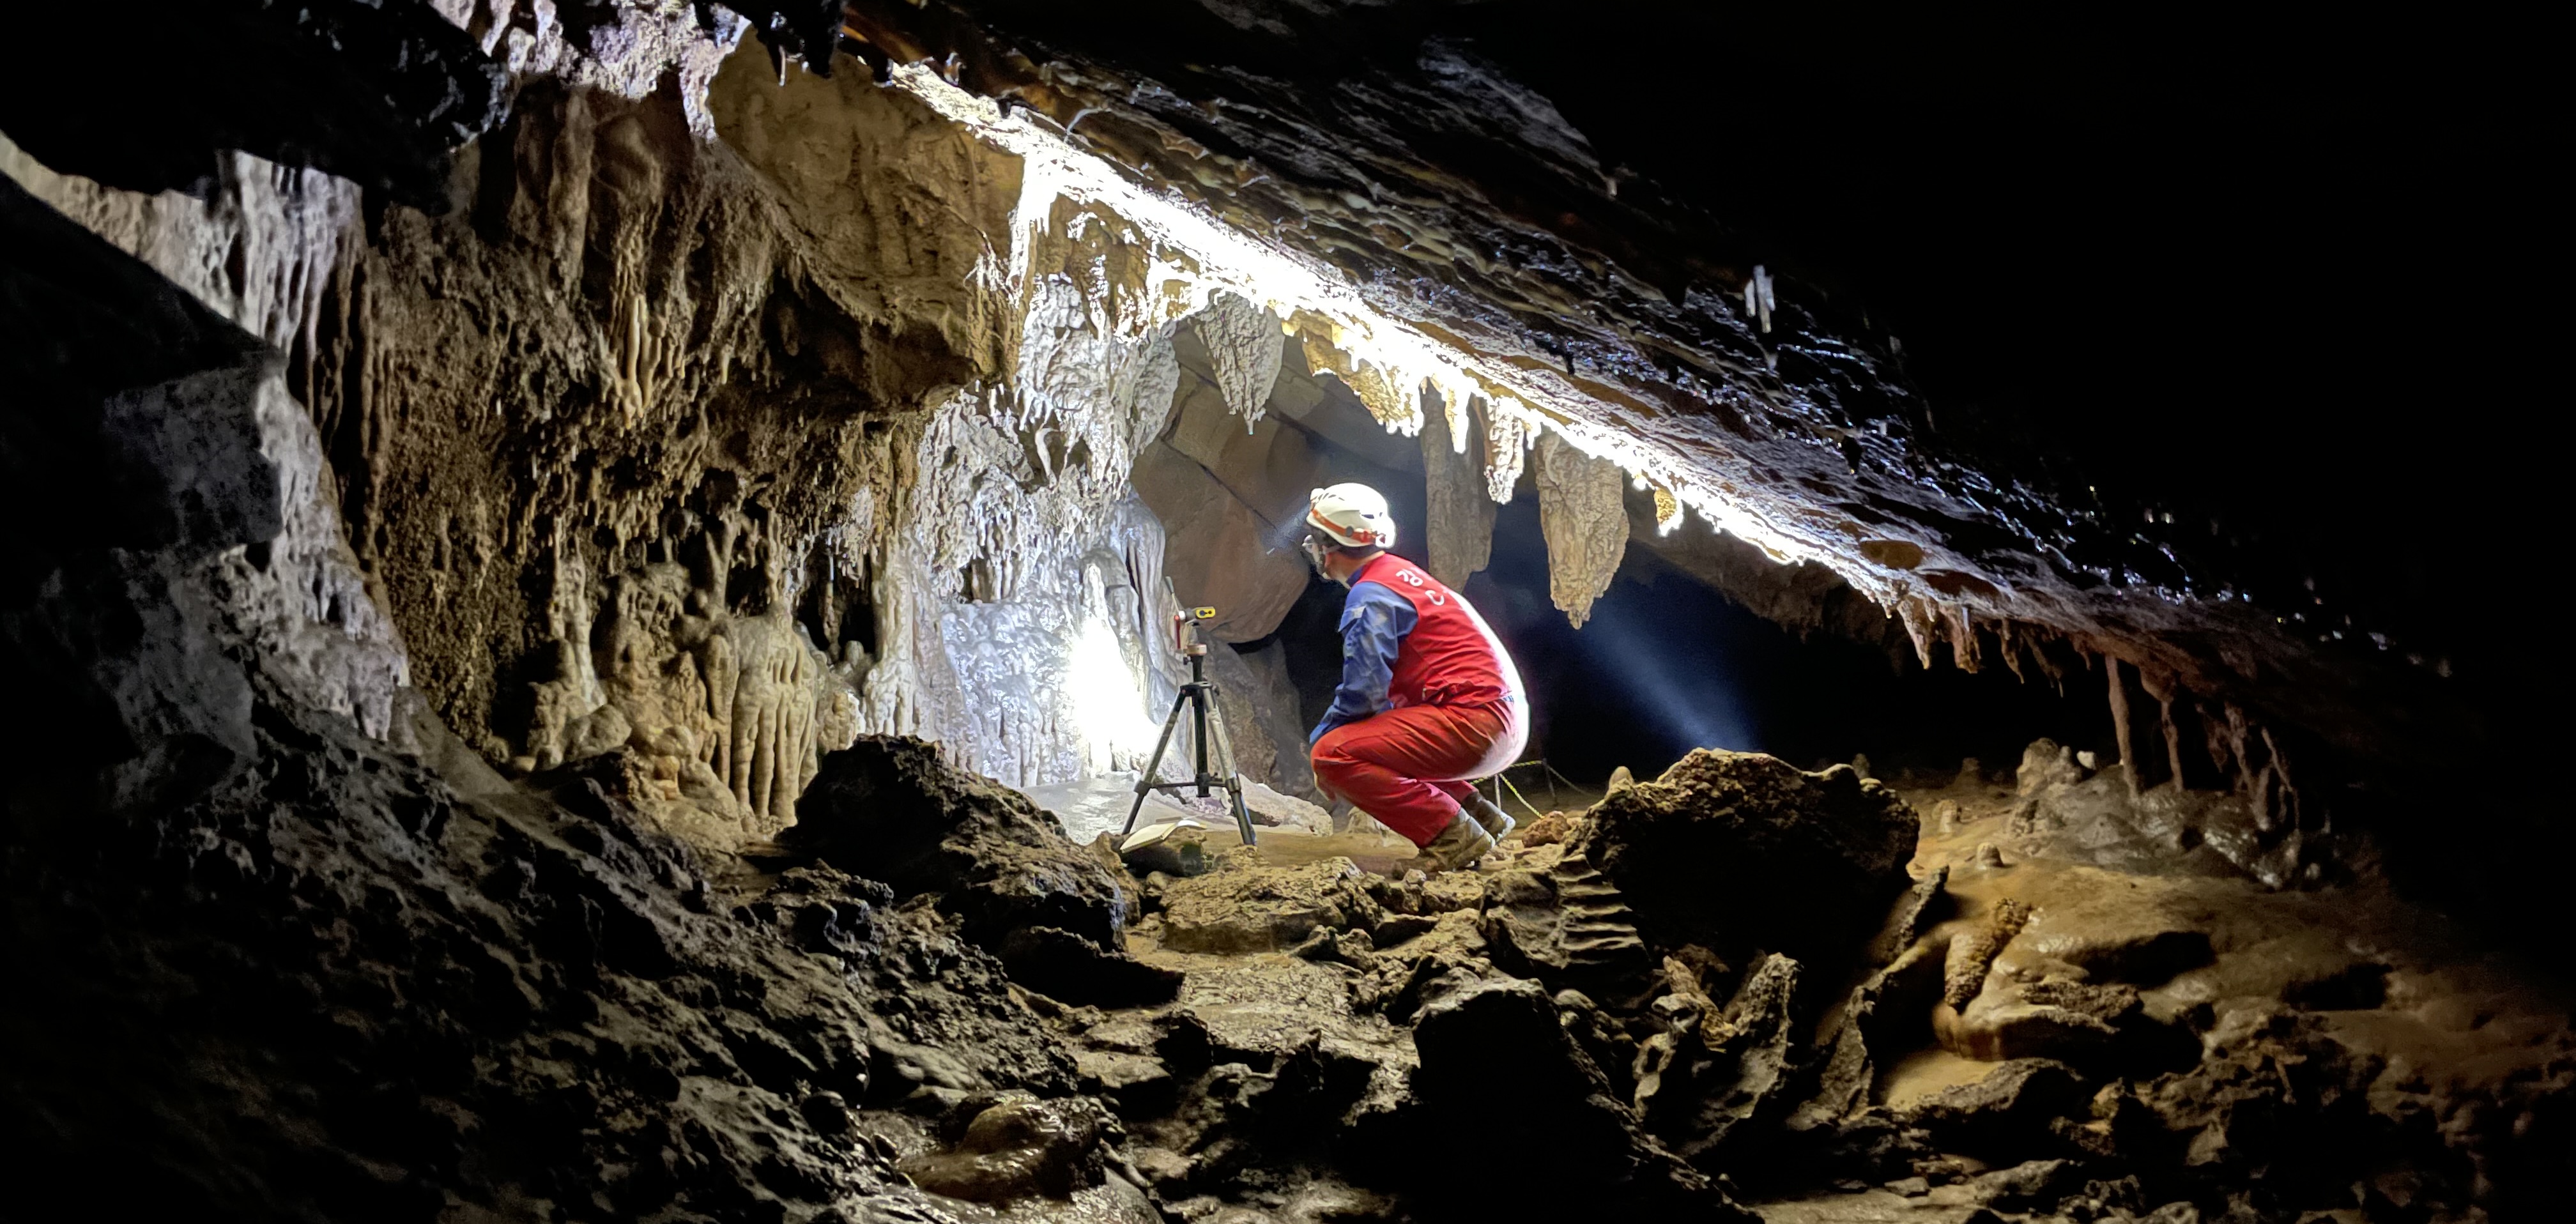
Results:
[2268, 275]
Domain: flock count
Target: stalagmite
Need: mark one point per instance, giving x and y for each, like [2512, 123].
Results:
[1582, 511]
[1458, 528]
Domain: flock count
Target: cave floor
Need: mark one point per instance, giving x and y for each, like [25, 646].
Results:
[2211, 955]
[2390, 979]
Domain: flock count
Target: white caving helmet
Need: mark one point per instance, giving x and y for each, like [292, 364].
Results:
[1351, 515]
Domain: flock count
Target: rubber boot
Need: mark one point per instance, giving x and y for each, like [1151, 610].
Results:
[1460, 845]
[1498, 823]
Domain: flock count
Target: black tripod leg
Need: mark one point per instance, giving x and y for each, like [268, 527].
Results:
[1233, 777]
[1145, 781]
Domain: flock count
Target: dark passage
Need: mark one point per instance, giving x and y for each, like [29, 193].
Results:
[1667, 664]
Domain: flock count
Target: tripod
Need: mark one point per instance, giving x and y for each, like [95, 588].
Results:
[1195, 697]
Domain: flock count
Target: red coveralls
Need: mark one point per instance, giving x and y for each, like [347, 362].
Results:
[1456, 713]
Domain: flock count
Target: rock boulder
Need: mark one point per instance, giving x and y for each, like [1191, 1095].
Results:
[892, 809]
[1500, 1074]
[1738, 850]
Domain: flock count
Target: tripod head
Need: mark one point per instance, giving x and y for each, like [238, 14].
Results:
[1185, 627]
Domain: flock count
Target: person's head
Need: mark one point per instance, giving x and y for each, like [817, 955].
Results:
[1346, 525]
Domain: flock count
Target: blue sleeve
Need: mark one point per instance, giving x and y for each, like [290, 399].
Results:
[1375, 621]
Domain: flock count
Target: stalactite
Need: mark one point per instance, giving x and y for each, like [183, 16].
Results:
[1917, 616]
[2120, 720]
[1583, 514]
[1962, 632]
[1459, 527]
[2215, 740]
[1243, 345]
[1508, 438]
[1668, 511]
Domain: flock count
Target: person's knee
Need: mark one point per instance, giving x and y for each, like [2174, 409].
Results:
[1334, 746]
[1329, 762]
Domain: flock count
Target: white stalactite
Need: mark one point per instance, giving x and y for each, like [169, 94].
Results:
[1243, 343]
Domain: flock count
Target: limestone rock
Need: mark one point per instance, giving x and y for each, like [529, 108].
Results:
[1811, 860]
[892, 808]
[1556, 1101]
[2046, 765]
[1240, 909]
[1567, 926]
[1013, 1145]
[2064, 811]
[1262, 715]
[1459, 527]
[2005, 1115]
[1548, 830]
[1220, 551]
[1583, 513]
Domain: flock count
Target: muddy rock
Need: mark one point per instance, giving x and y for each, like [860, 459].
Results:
[1004, 1146]
[893, 809]
[1923, 907]
[1556, 1101]
[1241, 908]
[1810, 861]
[1065, 966]
[1729, 1071]
[1882, 1017]
[2008, 1114]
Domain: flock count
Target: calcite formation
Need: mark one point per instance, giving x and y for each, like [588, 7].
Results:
[1582, 511]
[1458, 519]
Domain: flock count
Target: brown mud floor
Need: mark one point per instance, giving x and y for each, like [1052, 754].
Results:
[2073, 1008]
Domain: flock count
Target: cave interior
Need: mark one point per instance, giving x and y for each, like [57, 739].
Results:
[594, 584]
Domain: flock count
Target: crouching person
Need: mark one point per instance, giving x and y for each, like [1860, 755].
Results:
[1429, 700]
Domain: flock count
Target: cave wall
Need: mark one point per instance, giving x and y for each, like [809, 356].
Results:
[724, 452]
